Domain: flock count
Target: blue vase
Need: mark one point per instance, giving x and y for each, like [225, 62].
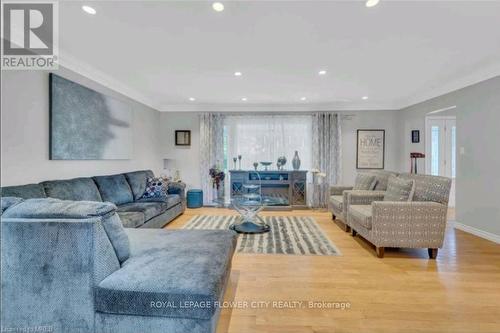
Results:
[296, 161]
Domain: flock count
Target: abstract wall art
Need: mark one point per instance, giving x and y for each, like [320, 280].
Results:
[87, 125]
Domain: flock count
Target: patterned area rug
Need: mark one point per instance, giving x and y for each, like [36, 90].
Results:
[288, 235]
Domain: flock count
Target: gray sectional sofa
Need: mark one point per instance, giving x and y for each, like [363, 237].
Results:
[124, 190]
[71, 266]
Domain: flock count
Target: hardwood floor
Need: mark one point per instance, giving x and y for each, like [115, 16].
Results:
[404, 292]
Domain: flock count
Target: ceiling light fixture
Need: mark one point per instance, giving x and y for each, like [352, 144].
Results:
[237, 74]
[364, 98]
[218, 6]
[89, 10]
[372, 3]
[322, 72]
[302, 98]
[192, 99]
[244, 99]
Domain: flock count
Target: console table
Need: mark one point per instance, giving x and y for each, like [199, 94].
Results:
[287, 184]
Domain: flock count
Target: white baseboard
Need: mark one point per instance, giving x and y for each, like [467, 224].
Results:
[476, 232]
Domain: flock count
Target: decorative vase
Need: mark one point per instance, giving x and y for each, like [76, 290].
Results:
[255, 165]
[296, 161]
[239, 162]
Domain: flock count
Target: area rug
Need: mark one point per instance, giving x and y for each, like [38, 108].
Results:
[292, 235]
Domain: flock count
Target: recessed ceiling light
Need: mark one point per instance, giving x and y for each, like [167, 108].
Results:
[218, 6]
[322, 72]
[192, 99]
[237, 74]
[302, 98]
[372, 3]
[244, 99]
[365, 97]
[89, 10]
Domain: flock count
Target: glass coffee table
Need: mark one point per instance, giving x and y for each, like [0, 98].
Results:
[248, 206]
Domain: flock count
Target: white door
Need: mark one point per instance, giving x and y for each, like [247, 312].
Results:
[440, 149]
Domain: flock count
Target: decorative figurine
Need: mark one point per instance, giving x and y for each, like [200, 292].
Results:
[282, 162]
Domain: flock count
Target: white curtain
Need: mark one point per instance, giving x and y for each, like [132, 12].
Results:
[211, 150]
[326, 153]
[264, 138]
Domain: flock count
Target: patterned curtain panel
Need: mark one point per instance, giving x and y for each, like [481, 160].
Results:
[326, 154]
[211, 150]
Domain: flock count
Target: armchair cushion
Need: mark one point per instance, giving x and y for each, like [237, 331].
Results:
[364, 181]
[362, 214]
[430, 188]
[399, 189]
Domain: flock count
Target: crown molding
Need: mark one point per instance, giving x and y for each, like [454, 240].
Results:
[277, 107]
[70, 62]
[447, 86]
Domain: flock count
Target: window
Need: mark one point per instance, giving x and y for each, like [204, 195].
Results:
[435, 150]
[265, 138]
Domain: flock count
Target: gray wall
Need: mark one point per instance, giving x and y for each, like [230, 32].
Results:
[25, 132]
[478, 132]
[189, 157]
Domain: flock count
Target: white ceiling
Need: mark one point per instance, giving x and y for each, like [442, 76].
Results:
[397, 53]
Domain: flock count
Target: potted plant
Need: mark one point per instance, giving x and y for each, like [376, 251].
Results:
[217, 176]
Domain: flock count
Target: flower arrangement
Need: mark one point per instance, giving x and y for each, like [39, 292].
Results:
[217, 176]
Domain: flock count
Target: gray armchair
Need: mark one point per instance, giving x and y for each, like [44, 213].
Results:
[339, 202]
[420, 223]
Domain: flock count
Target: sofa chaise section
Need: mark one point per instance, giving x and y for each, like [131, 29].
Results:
[85, 273]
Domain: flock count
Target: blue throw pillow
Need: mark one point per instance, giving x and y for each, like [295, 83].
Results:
[156, 188]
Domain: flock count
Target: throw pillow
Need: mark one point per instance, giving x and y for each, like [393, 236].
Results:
[156, 188]
[364, 182]
[399, 189]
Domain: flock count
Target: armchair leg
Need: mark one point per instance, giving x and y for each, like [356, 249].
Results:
[432, 253]
[353, 232]
[380, 251]
[334, 217]
[347, 228]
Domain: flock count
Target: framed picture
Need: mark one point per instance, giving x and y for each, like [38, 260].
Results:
[415, 136]
[370, 150]
[183, 138]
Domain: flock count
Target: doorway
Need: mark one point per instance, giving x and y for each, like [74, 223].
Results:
[440, 149]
